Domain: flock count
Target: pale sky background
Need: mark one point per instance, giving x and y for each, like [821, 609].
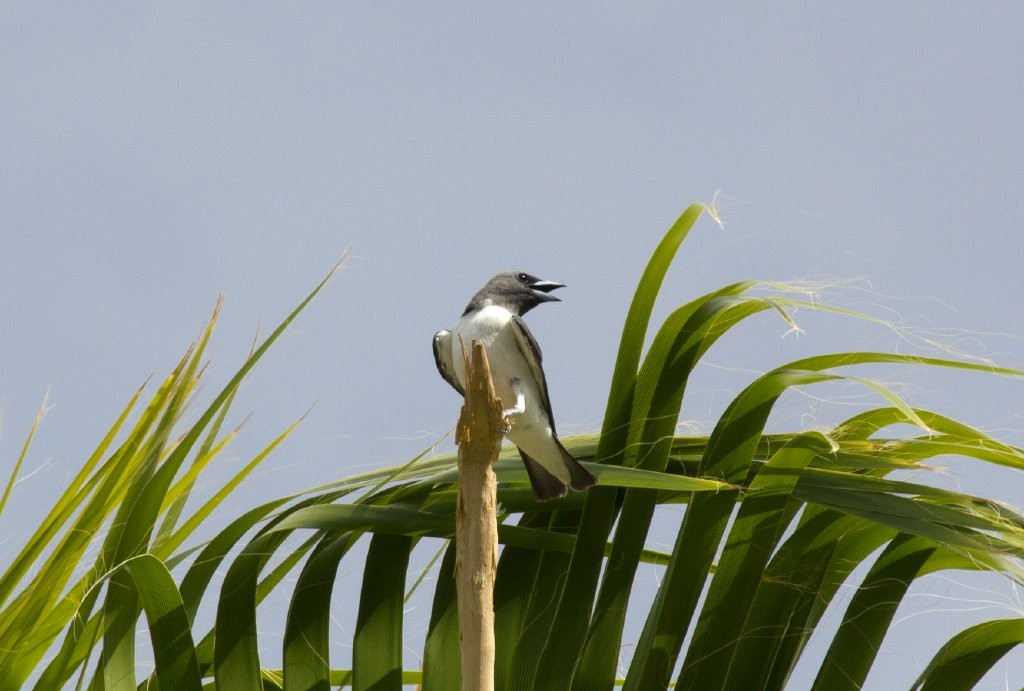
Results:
[152, 157]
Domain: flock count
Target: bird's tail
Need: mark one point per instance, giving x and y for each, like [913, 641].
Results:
[545, 485]
[580, 477]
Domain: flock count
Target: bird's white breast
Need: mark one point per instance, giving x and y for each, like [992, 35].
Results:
[484, 326]
[490, 326]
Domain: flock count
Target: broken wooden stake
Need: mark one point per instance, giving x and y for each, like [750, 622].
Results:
[478, 435]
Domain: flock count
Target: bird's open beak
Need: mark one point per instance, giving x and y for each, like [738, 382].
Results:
[542, 289]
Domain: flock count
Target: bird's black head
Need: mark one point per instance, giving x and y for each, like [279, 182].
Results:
[516, 291]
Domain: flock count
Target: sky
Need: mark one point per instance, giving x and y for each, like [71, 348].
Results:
[153, 157]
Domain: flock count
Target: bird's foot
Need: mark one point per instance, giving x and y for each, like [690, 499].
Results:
[520, 407]
[509, 415]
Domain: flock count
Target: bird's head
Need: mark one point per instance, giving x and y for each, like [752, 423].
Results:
[517, 291]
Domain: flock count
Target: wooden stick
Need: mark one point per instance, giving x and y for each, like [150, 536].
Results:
[478, 435]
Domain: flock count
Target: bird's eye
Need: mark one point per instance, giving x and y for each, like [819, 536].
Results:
[523, 277]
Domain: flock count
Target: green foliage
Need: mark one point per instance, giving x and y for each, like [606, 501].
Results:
[125, 496]
[774, 525]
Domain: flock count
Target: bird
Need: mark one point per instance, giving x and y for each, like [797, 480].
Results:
[494, 317]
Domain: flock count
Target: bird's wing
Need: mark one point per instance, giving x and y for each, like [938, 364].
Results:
[545, 484]
[443, 358]
[531, 353]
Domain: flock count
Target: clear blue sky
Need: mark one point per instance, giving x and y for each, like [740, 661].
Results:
[152, 157]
